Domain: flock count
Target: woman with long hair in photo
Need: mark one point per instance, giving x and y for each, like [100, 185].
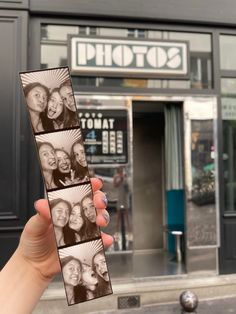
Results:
[79, 163]
[77, 223]
[89, 211]
[48, 162]
[72, 274]
[57, 112]
[37, 96]
[60, 211]
[89, 281]
[99, 266]
[63, 175]
[67, 95]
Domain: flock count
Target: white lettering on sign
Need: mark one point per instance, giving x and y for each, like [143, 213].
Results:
[113, 55]
[123, 56]
[92, 122]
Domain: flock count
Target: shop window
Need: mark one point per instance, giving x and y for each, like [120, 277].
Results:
[200, 49]
[53, 56]
[85, 30]
[227, 52]
[136, 33]
[54, 53]
[228, 101]
[57, 32]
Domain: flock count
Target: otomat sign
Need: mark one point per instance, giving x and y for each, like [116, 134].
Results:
[160, 58]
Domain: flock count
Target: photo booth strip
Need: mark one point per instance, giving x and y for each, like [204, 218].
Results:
[67, 148]
[65, 173]
[88, 269]
[78, 200]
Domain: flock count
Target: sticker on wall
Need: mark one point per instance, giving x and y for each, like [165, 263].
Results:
[55, 124]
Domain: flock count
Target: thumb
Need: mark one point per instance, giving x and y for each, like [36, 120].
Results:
[39, 223]
[42, 208]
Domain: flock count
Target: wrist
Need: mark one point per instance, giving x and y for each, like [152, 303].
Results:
[32, 267]
[19, 277]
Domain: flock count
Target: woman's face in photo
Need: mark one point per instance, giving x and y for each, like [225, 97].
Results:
[76, 221]
[68, 97]
[89, 209]
[47, 157]
[63, 161]
[101, 266]
[37, 99]
[79, 153]
[55, 106]
[89, 278]
[60, 214]
[72, 273]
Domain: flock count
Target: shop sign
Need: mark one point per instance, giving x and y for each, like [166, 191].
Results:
[105, 135]
[103, 56]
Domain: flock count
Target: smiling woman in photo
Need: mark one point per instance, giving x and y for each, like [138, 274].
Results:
[90, 214]
[79, 163]
[68, 95]
[58, 113]
[77, 223]
[60, 210]
[48, 162]
[63, 175]
[56, 110]
[100, 268]
[72, 274]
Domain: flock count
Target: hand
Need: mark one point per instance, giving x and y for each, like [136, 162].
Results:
[37, 244]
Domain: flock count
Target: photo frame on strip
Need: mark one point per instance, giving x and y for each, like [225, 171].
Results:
[56, 128]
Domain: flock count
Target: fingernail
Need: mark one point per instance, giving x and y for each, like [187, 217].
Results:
[101, 179]
[106, 216]
[104, 199]
[35, 207]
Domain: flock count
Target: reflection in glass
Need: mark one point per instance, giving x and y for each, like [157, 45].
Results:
[57, 32]
[116, 185]
[228, 87]
[53, 56]
[202, 159]
[200, 172]
[229, 152]
[116, 177]
[227, 52]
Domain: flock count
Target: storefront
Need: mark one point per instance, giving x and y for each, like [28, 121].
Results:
[157, 107]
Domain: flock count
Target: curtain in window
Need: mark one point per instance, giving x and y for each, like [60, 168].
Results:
[173, 147]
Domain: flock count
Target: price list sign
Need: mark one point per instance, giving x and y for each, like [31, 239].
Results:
[105, 135]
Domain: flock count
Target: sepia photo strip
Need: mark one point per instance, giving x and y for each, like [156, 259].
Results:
[50, 99]
[73, 214]
[85, 272]
[52, 111]
[62, 158]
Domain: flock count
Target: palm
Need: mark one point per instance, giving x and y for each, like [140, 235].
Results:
[39, 248]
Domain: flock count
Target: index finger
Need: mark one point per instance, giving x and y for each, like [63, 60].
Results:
[96, 183]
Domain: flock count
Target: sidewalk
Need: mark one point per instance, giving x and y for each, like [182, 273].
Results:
[216, 294]
[213, 306]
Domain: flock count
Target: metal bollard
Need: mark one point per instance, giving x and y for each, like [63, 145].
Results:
[189, 302]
